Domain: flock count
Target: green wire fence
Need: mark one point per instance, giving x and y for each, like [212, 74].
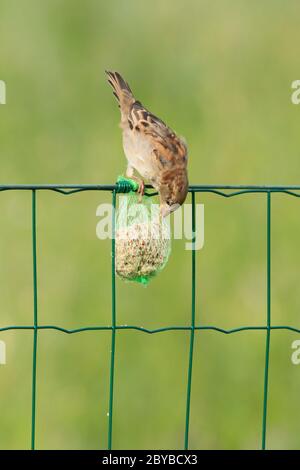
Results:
[122, 187]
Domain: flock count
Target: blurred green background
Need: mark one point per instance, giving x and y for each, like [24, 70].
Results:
[220, 74]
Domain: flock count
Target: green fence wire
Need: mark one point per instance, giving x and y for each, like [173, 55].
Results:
[220, 190]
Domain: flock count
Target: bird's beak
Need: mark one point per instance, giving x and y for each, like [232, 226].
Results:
[165, 210]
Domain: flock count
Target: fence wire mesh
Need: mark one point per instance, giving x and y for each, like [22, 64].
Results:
[226, 191]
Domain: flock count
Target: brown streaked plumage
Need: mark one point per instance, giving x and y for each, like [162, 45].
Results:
[151, 148]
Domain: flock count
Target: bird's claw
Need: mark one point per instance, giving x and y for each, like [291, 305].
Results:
[141, 190]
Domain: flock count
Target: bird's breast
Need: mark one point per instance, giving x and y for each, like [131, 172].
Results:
[138, 150]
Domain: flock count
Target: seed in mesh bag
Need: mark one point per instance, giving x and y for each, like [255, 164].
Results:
[138, 252]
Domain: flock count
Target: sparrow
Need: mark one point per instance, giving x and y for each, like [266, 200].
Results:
[151, 148]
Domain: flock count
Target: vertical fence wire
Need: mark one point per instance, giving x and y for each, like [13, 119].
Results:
[35, 321]
[113, 324]
[192, 336]
[268, 335]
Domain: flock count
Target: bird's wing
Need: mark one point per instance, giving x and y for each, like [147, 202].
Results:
[169, 150]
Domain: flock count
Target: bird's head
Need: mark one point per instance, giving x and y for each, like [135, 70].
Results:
[173, 194]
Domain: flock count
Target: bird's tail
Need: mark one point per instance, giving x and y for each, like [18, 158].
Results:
[122, 92]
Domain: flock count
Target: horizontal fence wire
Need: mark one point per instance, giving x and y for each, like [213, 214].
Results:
[226, 191]
[149, 331]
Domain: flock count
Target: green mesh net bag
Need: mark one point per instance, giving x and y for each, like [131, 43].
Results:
[143, 242]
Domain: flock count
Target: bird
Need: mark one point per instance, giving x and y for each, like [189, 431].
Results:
[152, 148]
